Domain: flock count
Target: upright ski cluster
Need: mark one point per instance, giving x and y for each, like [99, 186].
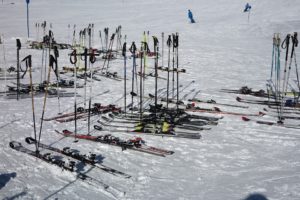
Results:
[281, 91]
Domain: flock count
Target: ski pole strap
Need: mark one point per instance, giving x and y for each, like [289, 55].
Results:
[112, 37]
[175, 40]
[52, 60]
[295, 43]
[146, 47]
[93, 56]
[27, 60]
[285, 45]
[18, 44]
[30, 140]
[124, 50]
[169, 41]
[51, 64]
[73, 57]
[155, 41]
[132, 49]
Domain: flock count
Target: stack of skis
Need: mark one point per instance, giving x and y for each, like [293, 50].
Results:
[283, 86]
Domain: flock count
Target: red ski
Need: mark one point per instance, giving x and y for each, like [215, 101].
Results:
[136, 144]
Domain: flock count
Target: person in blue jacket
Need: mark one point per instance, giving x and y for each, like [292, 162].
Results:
[247, 7]
[190, 15]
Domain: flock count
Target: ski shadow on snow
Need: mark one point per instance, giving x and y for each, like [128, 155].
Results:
[79, 166]
[255, 196]
[5, 178]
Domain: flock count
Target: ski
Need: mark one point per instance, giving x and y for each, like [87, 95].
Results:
[252, 101]
[246, 91]
[182, 120]
[38, 95]
[82, 113]
[217, 110]
[135, 144]
[215, 103]
[75, 155]
[156, 132]
[151, 124]
[47, 157]
[272, 123]
[110, 75]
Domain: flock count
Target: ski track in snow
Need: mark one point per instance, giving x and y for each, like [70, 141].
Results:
[222, 50]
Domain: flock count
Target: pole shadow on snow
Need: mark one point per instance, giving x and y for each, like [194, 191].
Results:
[9, 123]
[255, 196]
[59, 190]
[67, 185]
[16, 196]
[5, 178]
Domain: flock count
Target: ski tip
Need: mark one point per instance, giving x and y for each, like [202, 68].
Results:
[14, 144]
[261, 113]
[244, 118]
[217, 109]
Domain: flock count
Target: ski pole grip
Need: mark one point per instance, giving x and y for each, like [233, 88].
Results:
[18, 44]
[73, 58]
[169, 41]
[124, 50]
[132, 49]
[296, 39]
[112, 36]
[56, 53]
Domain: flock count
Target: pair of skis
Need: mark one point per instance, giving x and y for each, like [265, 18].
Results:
[51, 159]
[134, 144]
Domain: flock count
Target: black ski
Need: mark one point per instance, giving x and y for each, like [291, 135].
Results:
[47, 157]
[75, 155]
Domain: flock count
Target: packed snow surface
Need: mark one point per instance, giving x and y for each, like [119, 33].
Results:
[221, 50]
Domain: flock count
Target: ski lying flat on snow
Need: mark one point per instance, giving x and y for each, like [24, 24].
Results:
[218, 111]
[123, 144]
[272, 123]
[215, 103]
[151, 131]
[109, 75]
[151, 125]
[193, 120]
[25, 96]
[259, 93]
[136, 117]
[82, 114]
[51, 160]
[79, 157]
[252, 101]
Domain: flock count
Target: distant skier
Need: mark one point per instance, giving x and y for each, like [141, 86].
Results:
[190, 15]
[247, 7]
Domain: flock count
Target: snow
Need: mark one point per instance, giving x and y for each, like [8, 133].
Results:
[222, 50]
